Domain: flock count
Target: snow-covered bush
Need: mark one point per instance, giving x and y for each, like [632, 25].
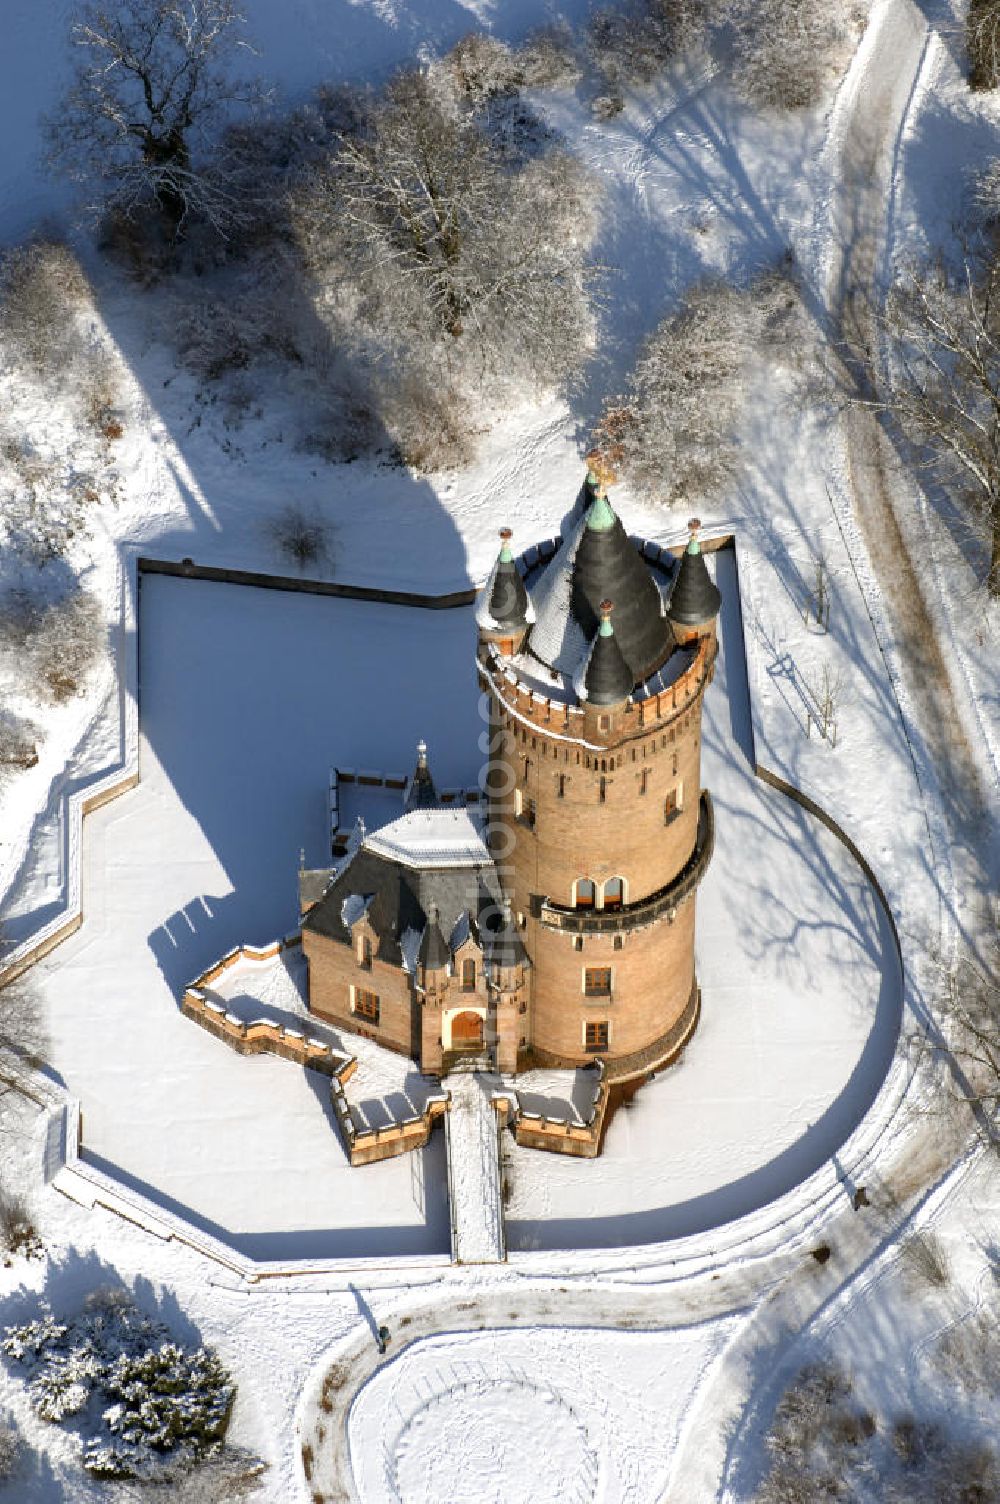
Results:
[57, 642]
[672, 434]
[42, 290]
[18, 1235]
[482, 66]
[939, 1466]
[925, 1258]
[823, 1444]
[968, 1353]
[11, 1450]
[786, 52]
[816, 1426]
[214, 339]
[632, 45]
[547, 59]
[303, 538]
[431, 423]
[169, 1405]
[19, 740]
[982, 41]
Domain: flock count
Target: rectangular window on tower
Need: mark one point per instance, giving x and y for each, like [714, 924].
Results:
[468, 976]
[596, 1036]
[597, 981]
[672, 805]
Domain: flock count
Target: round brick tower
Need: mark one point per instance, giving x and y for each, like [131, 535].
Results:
[594, 663]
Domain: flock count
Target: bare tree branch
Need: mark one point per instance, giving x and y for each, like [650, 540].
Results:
[943, 337]
[152, 76]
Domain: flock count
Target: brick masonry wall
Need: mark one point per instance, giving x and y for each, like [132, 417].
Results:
[578, 834]
[652, 976]
[333, 968]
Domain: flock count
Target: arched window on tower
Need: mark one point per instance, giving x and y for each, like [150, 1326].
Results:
[584, 893]
[614, 892]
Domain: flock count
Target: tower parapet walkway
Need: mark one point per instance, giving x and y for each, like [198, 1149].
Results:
[472, 1134]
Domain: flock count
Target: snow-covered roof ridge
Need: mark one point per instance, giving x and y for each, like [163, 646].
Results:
[432, 838]
[556, 637]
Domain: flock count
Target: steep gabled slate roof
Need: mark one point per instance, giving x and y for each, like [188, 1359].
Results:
[504, 946]
[398, 897]
[434, 952]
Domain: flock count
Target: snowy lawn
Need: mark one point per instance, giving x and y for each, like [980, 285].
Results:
[801, 1000]
[247, 697]
[546, 1416]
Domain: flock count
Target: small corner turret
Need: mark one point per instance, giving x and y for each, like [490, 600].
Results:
[420, 791]
[503, 611]
[694, 600]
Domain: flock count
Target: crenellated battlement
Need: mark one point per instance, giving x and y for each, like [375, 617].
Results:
[556, 717]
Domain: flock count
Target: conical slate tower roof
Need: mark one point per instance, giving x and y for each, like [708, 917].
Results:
[503, 604]
[694, 599]
[509, 599]
[607, 679]
[421, 793]
[597, 562]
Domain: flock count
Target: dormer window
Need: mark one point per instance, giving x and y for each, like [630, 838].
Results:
[365, 952]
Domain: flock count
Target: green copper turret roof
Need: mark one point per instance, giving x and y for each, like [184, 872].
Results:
[600, 517]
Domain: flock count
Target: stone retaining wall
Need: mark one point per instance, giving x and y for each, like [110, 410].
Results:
[559, 1135]
[366, 1146]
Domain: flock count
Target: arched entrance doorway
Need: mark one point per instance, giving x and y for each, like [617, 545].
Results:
[467, 1031]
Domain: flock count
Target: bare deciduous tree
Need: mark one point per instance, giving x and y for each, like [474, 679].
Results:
[23, 1034]
[826, 692]
[672, 435]
[443, 241]
[972, 1004]
[982, 41]
[817, 602]
[785, 52]
[943, 333]
[152, 76]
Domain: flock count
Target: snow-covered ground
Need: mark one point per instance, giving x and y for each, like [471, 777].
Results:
[204, 854]
[515, 1418]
